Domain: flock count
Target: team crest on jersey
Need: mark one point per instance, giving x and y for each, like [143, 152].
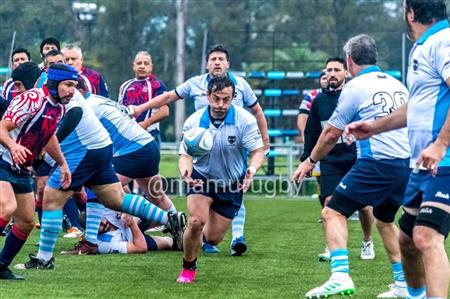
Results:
[231, 140]
[415, 64]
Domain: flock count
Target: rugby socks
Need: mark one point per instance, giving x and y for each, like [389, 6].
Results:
[172, 209]
[71, 210]
[51, 226]
[397, 271]
[190, 265]
[237, 225]
[138, 206]
[94, 214]
[14, 242]
[3, 224]
[419, 293]
[339, 261]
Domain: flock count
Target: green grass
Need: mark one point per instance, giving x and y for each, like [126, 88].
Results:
[283, 237]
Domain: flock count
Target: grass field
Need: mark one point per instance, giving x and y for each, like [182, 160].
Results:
[283, 237]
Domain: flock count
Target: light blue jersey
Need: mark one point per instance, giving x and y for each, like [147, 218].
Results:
[197, 88]
[88, 134]
[232, 140]
[370, 95]
[126, 134]
[429, 68]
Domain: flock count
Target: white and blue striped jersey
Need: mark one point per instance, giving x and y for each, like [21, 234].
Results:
[370, 95]
[88, 134]
[197, 88]
[126, 134]
[114, 241]
[232, 140]
[429, 68]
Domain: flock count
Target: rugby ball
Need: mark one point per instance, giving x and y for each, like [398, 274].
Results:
[197, 142]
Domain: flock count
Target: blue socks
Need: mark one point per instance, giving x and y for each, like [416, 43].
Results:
[51, 226]
[237, 225]
[13, 243]
[94, 214]
[339, 261]
[140, 207]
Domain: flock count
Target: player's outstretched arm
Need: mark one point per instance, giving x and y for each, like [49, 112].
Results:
[185, 167]
[433, 154]
[162, 114]
[156, 102]
[364, 129]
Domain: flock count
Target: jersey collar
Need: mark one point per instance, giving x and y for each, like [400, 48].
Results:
[229, 76]
[205, 120]
[436, 27]
[369, 69]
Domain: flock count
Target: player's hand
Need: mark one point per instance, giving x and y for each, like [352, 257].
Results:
[248, 179]
[357, 131]
[431, 156]
[128, 220]
[19, 153]
[189, 181]
[303, 170]
[66, 176]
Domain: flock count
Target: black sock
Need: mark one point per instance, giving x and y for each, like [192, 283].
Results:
[190, 265]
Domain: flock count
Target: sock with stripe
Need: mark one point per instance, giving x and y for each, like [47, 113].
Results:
[3, 224]
[51, 226]
[13, 243]
[237, 225]
[397, 273]
[419, 293]
[94, 214]
[140, 207]
[339, 262]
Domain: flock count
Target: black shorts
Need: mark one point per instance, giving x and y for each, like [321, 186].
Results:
[226, 200]
[142, 163]
[21, 182]
[331, 175]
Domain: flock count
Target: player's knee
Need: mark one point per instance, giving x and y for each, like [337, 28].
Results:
[421, 240]
[24, 224]
[215, 240]
[196, 223]
[7, 209]
[328, 213]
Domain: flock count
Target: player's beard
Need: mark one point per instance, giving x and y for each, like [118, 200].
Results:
[409, 32]
[335, 84]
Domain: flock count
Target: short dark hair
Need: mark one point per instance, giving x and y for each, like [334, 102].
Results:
[20, 50]
[362, 49]
[52, 53]
[427, 12]
[336, 59]
[217, 48]
[219, 83]
[49, 41]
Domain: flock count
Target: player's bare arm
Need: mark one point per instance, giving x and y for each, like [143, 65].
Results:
[18, 152]
[156, 102]
[162, 114]
[433, 154]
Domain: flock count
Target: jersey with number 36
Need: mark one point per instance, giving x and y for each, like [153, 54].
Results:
[373, 94]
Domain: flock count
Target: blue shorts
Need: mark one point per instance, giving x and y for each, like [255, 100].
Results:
[424, 187]
[157, 136]
[141, 163]
[21, 182]
[42, 169]
[226, 200]
[94, 168]
[376, 183]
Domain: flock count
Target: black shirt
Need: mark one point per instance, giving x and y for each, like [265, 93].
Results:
[321, 110]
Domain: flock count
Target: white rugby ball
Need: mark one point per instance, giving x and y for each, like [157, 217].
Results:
[197, 142]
